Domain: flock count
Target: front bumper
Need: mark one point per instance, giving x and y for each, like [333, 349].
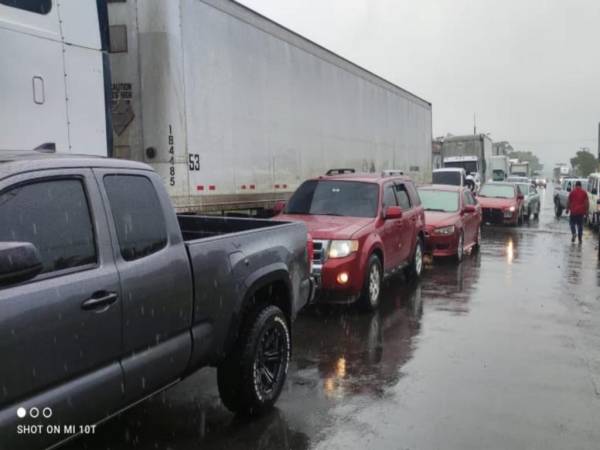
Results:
[441, 245]
[328, 288]
[496, 216]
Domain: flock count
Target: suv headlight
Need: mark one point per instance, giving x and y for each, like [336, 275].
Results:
[511, 209]
[444, 230]
[341, 249]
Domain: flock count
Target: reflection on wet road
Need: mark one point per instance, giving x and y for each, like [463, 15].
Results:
[502, 351]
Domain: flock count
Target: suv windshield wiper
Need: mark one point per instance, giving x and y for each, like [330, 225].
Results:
[435, 209]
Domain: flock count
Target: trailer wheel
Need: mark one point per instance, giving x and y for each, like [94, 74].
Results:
[253, 374]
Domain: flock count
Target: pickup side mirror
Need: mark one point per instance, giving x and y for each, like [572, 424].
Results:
[468, 209]
[279, 206]
[19, 261]
[393, 212]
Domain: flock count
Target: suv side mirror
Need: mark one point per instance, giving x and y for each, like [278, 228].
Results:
[279, 206]
[393, 212]
[468, 209]
[19, 261]
[520, 196]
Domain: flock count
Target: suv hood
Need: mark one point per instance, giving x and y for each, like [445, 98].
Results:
[498, 203]
[329, 227]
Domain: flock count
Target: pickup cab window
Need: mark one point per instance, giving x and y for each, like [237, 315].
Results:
[54, 216]
[137, 215]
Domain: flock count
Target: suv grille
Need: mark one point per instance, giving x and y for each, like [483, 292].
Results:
[492, 215]
[320, 254]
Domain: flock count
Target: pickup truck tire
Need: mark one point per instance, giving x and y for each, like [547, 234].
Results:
[252, 376]
[557, 209]
[371, 292]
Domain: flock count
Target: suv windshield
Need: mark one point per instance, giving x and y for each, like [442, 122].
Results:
[447, 177]
[443, 201]
[497, 191]
[335, 198]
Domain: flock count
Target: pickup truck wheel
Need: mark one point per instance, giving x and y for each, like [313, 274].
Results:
[557, 210]
[252, 376]
[369, 298]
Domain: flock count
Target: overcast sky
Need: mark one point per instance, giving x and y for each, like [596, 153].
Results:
[528, 69]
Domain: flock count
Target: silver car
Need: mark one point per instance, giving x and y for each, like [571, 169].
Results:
[531, 202]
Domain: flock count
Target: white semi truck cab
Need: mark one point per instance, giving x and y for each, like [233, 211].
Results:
[472, 166]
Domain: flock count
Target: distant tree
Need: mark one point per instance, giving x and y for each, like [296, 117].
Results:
[584, 163]
[534, 162]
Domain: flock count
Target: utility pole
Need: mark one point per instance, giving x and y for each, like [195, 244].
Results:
[475, 126]
[598, 141]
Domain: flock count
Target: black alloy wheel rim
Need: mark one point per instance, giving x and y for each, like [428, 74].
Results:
[271, 359]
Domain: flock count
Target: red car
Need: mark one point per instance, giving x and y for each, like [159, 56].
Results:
[501, 203]
[452, 220]
[364, 227]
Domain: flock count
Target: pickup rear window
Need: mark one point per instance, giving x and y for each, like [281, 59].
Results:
[335, 198]
[54, 216]
[137, 214]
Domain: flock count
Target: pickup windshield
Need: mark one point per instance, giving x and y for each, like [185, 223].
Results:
[335, 198]
[497, 191]
[442, 201]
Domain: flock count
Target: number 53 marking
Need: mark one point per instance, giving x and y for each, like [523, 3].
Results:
[194, 161]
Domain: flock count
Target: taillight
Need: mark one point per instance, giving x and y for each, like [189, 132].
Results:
[310, 251]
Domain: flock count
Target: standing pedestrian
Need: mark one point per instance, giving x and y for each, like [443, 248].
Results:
[578, 205]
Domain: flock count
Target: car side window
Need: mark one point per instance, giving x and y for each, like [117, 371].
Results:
[415, 200]
[402, 195]
[389, 198]
[54, 216]
[137, 215]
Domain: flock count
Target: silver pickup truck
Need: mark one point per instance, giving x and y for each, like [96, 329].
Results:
[107, 296]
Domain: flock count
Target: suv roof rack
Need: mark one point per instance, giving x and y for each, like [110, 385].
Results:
[391, 172]
[339, 171]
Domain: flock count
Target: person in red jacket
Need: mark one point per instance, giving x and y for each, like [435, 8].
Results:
[578, 206]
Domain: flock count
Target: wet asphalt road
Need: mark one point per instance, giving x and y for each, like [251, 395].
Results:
[500, 352]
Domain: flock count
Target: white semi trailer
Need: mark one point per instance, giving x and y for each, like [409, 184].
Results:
[233, 110]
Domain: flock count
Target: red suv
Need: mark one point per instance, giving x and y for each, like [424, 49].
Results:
[364, 227]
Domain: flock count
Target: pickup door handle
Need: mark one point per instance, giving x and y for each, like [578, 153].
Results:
[99, 300]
